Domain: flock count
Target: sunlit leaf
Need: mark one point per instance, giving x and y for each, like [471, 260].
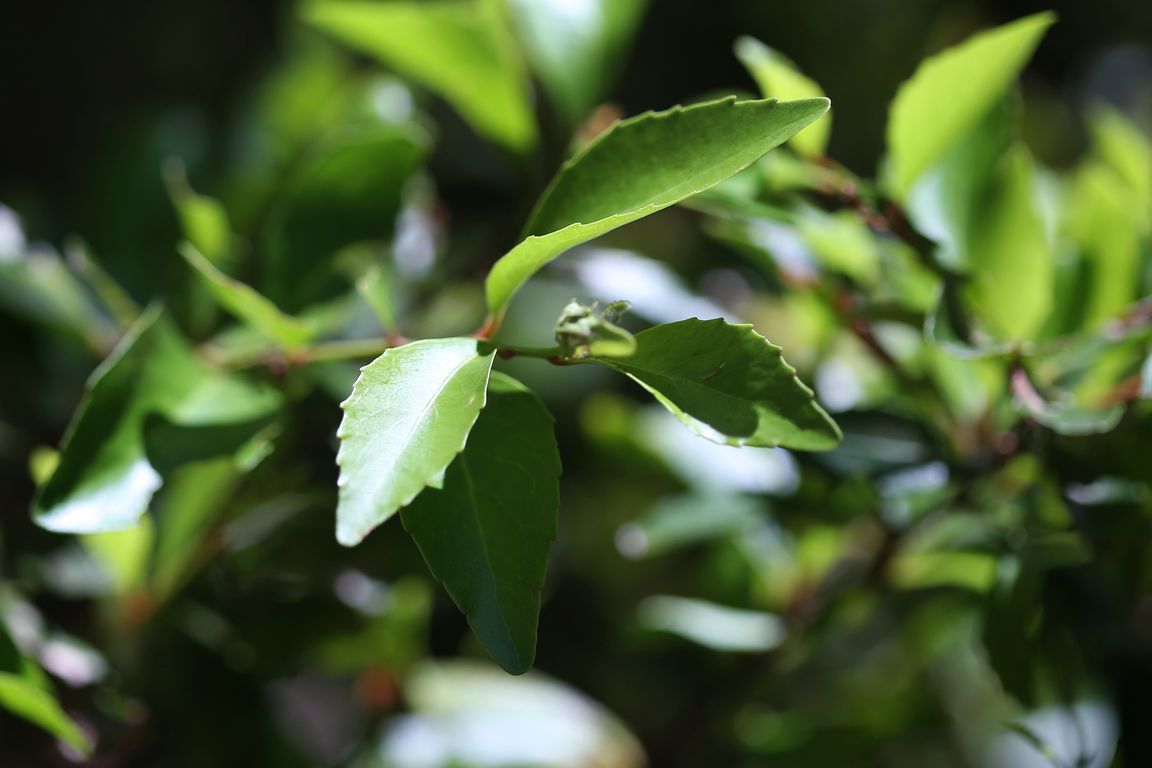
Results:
[105, 478]
[408, 416]
[779, 78]
[951, 91]
[640, 166]
[575, 47]
[459, 49]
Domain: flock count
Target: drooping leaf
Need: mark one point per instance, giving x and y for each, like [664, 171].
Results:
[951, 91]
[779, 78]
[641, 166]
[247, 305]
[461, 50]
[487, 532]
[575, 48]
[408, 416]
[106, 477]
[727, 383]
[349, 189]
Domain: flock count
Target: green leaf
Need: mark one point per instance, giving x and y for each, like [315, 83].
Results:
[487, 532]
[580, 331]
[1104, 225]
[951, 91]
[25, 692]
[203, 219]
[106, 478]
[408, 416]
[460, 50]
[678, 521]
[245, 304]
[729, 384]
[714, 626]
[641, 166]
[349, 189]
[1010, 256]
[1125, 148]
[575, 49]
[777, 77]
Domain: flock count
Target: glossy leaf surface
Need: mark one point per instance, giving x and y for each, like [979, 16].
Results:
[640, 166]
[487, 532]
[729, 384]
[408, 416]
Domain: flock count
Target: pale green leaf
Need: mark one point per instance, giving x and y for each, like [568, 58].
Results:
[714, 626]
[123, 555]
[951, 91]
[1105, 227]
[247, 305]
[778, 78]
[729, 384]
[1010, 257]
[576, 47]
[203, 219]
[460, 50]
[408, 416]
[641, 166]
[487, 532]
[1127, 150]
[106, 475]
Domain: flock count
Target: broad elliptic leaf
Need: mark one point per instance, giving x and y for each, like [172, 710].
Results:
[729, 384]
[778, 78]
[106, 475]
[575, 48]
[951, 91]
[244, 303]
[487, 532]
[641, 166]
[461, 50]
[1126, 149]
[408, 416]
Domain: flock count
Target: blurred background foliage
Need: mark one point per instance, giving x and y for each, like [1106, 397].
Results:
[965, 582]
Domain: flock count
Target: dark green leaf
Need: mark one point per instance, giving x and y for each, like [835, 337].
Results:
[487, 532]
[729, 384]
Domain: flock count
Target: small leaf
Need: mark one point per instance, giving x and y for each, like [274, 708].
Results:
[462, 51]
[576, 48]
[951, 91]
[729, 384]
[714, 626]
[408, 416]
[581, 332]
[779, 78]
[487, 533]
[202, 219]
[641, 166]
[245, 304]
[106, 477]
